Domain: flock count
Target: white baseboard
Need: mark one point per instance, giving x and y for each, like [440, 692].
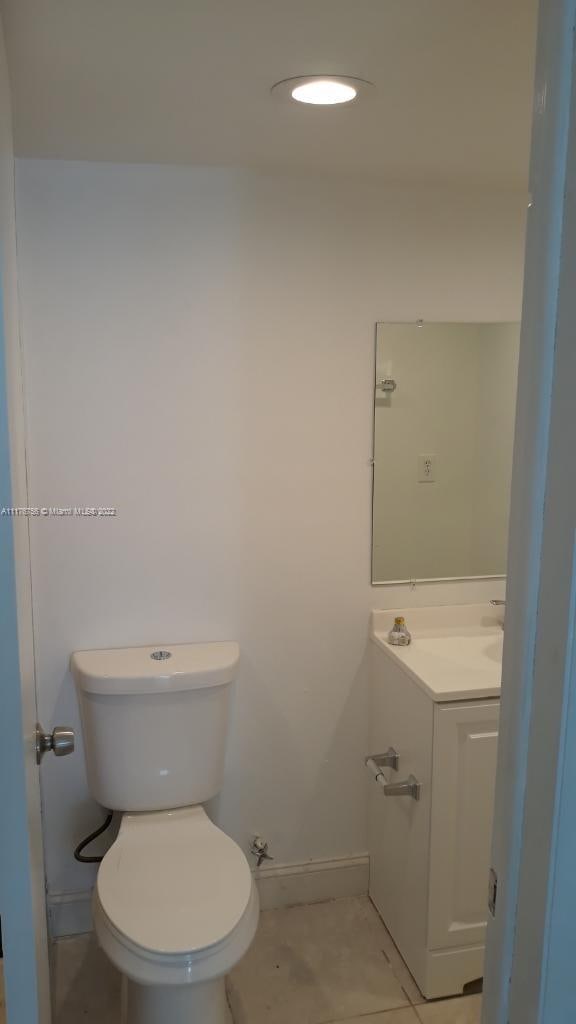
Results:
[69, 913]
[314, 881]
[282, 885]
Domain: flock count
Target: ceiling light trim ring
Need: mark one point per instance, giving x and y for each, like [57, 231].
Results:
[285, 89]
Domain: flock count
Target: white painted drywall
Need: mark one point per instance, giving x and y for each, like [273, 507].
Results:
[193, 87]
[199, 348]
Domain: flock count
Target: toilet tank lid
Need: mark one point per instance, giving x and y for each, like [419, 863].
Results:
[158, 669]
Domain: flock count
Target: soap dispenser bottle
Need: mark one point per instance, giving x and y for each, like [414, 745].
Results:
[399, 635]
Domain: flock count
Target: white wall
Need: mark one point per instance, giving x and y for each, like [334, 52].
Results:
[199, 349]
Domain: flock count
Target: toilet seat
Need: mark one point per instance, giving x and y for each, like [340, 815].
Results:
[173, 883]
[147, 968]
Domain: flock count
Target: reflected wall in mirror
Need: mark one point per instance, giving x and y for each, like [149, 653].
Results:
[445, 397]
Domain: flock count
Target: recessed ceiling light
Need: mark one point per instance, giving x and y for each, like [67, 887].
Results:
[320, 90]
[325, 92]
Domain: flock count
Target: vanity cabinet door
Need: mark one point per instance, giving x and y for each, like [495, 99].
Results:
[465, 744]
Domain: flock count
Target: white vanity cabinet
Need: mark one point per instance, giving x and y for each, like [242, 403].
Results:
[430, 858]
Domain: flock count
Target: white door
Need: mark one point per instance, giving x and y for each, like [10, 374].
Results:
[22, 904]
[465, 740]
[530, 957]
[22, 898]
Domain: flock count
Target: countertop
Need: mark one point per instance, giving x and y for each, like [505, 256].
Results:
[456, 650]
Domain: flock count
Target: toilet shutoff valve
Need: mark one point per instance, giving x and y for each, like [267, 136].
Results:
[259, 848]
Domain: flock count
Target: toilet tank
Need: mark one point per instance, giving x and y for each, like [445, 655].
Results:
[154, 722]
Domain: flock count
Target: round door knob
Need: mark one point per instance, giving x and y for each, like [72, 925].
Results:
[63, 740]
[60, 741]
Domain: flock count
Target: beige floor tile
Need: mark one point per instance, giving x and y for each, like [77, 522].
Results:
[314, 964]
[330, 962]
[407, 1016]
[400, 969]
[461, 1010]
[86, 985]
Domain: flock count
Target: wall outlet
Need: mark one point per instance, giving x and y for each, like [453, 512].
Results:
[427, 469]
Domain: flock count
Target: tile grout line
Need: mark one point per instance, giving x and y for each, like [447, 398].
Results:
[421, 999]
[373, 1014]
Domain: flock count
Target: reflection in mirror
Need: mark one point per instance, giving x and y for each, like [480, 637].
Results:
[444, 407]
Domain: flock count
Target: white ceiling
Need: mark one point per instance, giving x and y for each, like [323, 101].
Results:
[187, 81]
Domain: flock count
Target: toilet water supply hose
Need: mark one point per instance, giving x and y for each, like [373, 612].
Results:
[78, 855]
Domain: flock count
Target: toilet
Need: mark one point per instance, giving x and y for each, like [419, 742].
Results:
[175, 905]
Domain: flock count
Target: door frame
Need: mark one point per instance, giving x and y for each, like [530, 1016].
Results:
[528, 977]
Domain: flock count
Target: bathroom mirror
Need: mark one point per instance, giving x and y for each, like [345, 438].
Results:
[444, 405]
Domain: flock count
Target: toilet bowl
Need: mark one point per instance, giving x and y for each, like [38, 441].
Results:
[175, 908]
[175, 904]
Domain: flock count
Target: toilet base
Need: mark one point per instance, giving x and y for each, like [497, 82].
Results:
[201, 1003]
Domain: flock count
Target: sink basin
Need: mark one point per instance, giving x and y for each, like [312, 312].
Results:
[465, 650]
[456, 651]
